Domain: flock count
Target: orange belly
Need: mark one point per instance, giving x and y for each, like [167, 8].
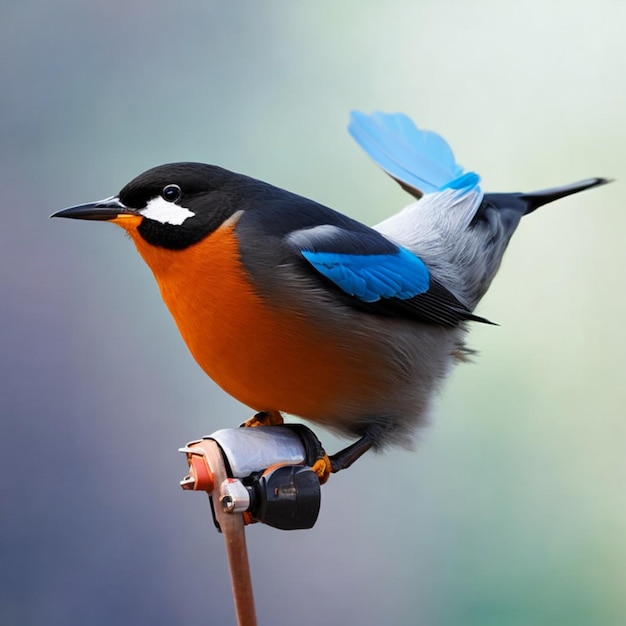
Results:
[271, 358]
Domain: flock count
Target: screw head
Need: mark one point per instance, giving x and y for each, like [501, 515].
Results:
[228, 503]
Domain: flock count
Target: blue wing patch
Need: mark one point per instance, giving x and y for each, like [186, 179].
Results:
[379, 277]
[371, 277]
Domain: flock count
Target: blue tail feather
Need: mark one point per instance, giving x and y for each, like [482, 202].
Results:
[420, 159]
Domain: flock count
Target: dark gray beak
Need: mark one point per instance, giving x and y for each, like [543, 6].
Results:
[103, 210]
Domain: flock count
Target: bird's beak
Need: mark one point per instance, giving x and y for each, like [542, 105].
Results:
[110, 209]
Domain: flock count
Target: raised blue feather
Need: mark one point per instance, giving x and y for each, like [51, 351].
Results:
[420, 159]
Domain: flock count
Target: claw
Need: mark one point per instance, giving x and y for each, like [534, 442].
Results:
[323, 468]
[264, 418]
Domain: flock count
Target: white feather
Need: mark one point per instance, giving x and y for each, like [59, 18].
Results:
[165, 212]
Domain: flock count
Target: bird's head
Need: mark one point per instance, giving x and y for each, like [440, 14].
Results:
[171, 206]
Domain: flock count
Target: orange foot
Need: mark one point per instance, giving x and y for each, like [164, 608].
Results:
[264, 418]
[323, 468]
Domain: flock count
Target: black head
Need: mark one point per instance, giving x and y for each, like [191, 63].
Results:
[171, 206]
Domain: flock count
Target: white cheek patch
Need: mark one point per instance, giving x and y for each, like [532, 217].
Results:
[161, 210]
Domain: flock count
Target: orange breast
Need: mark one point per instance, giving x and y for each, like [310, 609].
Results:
[269, 357]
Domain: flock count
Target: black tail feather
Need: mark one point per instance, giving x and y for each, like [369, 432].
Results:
[535, 199]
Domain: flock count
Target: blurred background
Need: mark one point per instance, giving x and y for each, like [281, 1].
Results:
[512, 510]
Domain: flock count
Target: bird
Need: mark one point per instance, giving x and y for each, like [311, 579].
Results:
[295, 308]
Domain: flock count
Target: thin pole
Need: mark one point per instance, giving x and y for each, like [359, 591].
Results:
[233, 529]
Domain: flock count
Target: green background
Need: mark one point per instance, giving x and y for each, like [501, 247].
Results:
[512, 510]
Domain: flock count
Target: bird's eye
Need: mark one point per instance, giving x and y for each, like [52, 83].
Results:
[171, 193]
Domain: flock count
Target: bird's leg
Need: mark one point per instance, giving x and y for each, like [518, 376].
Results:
[265, 418]
[343, 459]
